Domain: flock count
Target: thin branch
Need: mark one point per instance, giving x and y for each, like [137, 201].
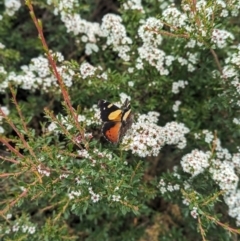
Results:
[65, 131]
[5, 210]
[9, 159]
[225, 226]
[216, 60]
[24, 142]
[19, 110]
[167, 33]
[10, 147]
[203, 234]
[53, 65]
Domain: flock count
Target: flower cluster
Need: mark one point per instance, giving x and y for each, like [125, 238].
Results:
[194, 212]
[224, 175]
[235, 58]
[18, 227]
[116, 35]
[236, 160]
[91, 31]
[2, 46]
[165, 187]
[222, 169]
[3, 111]
[150, 37]
[229, 72]
[25, 229]
[192, 43]
[176, 105]
[87, 121]
[87, 70]
[150, 51]
[189, 62]
[11, 6]
[116, 198]
[123, 97]
[74, 194]
[63, 6]
[94, 197]
[220, 38]
[174, 134]
[195, 162]
[94, 157]
[82, 181]
[146, 138]
[177, 85]
[223, 172]
[76, 25]
[133, 5]
[208, 136]
[233, 202]
[236, 121]
[174, 17]
[224, 9]
[43, 171]
[37, 74]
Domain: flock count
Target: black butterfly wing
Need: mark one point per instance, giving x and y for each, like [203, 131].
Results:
[109, 111]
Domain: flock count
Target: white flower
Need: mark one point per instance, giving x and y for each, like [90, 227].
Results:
[12, 6]
[2, 46]
[5, 110]
[52, 126]
[186, 202]
[220, 37]
[95, 197]
[1, 130]
[43, 171]
[147, 138]
[224, 175]
[15, 227]
[195, 162]
[123, 97]
[25, 228]
[178, 84]
[194, 212]
[116, 35]
[116, 198]
[130, 70]
[176, 105]
[32, 230]
[74, 194]
[174, 17]
[133, 5]
[130, 83]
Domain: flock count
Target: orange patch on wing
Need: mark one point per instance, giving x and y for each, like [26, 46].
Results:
[113, 133]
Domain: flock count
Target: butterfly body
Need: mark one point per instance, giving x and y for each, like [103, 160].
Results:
[116, 120]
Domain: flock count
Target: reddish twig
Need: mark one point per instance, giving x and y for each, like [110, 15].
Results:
[24, 142]
[53, 65]
[19, 110]
[10, 147]
[9, 159]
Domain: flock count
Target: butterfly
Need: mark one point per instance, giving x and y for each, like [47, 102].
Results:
[116, 121]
